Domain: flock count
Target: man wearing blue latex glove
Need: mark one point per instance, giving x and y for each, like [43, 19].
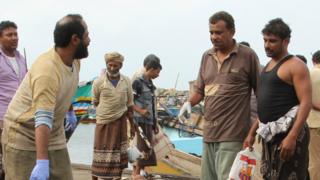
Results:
[71, 121]
[33, 134]
[41, 170]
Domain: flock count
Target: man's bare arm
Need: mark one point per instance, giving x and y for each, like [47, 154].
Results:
[302, 85]
[195, 98]
[42, 141]
[301, 81]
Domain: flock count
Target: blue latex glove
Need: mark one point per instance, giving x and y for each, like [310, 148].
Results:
[40, 170]
[71, 121]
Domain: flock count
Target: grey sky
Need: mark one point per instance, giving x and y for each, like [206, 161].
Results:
[174, 30]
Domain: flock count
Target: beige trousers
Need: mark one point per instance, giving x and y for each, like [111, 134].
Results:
[314, 154]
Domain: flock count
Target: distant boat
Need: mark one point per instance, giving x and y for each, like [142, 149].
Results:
[82, 103]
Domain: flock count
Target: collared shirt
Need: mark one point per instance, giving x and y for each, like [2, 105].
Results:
[49, 85]
[314, 115]
[144, 97]
[9, 80]
[113, 101]
[226, 89]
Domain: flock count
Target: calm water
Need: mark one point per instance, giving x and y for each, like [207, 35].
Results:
[81, 143]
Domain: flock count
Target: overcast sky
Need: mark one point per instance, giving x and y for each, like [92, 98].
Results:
[174, 30]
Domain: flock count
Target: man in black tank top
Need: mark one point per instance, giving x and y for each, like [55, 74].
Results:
[284, 84]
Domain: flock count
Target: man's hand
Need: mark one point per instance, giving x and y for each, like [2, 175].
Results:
[144, 113]
[40, 170]
[186, 107]
[287, 148]
[248, 142]
[71, 120]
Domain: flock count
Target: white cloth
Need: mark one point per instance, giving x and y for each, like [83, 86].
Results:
[14, 64]
[269, 130]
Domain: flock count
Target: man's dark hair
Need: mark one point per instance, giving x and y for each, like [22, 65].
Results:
[245, 43]
[316, 57]
[304, 59]
[153, 64]
[149, 58]
[223, 16]
[277, 27]
[66, 27]
[7, 24]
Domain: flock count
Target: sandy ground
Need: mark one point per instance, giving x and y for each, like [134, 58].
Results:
[82, 172]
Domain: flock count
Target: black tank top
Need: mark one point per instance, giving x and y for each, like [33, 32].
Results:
[275, 97]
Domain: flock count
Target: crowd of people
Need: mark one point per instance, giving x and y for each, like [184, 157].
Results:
[34, 103]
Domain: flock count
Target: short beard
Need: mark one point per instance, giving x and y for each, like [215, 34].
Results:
[113, 75]
[81, 51]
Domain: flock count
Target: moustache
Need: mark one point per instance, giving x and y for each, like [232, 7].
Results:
[268, 50]
[215, 42]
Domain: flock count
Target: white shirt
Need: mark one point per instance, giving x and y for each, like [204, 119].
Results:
[14, 64]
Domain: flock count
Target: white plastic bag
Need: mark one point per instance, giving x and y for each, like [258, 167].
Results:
[244, 165]
[133, 152]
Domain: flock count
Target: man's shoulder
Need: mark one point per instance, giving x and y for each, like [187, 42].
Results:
[138, 79]
[315, 75]
[246, 51]
[46, 57]
[99, 80]
[138, 83]
[208, 52]
[19, 56]
[315, 70]
[294, 67]
[294, 63]
[44, 64]
[126, 78]
[207, 55]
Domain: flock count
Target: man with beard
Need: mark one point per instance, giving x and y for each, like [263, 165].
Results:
[228, 73]
[13, 68]
[112, 95]
[33, 135]
[284, 102]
